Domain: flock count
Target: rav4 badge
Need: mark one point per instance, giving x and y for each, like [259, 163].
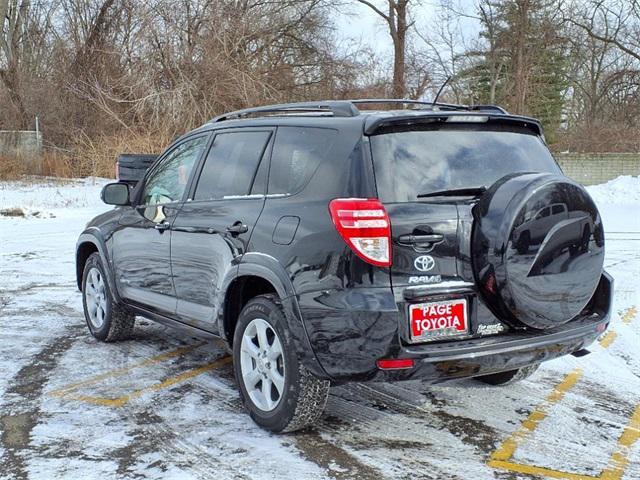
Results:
[425, 279]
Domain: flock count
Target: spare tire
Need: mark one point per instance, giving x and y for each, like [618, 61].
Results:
[537, 249]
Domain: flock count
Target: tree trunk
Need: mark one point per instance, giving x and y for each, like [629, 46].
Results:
[399, 47]
[398, 90]
[520, 75]
[9, 80]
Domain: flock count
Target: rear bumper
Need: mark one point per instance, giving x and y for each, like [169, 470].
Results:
[482, 358]
[350, 329]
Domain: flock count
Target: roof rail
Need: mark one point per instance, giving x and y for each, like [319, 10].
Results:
[449, 106]
[494, 108]
[344, 108]
[407, 101]
[335, 108]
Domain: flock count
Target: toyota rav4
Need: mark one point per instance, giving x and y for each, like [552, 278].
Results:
[326, 243]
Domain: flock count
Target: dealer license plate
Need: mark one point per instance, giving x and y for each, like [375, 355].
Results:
[438, 320]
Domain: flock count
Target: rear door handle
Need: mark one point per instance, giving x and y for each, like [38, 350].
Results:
[162, 226]
[420, 239]
[195, 230]
[237, 228]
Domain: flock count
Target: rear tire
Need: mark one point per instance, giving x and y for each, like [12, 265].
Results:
[107, 320]
[280, 394]
[509, 377]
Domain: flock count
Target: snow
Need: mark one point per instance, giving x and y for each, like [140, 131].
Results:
[52, 193]
[623, 190]
[198, 429]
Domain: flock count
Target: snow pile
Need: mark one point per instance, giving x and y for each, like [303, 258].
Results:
[36, 196]
[619, 191]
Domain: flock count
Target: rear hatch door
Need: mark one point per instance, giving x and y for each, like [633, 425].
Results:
[429, 175]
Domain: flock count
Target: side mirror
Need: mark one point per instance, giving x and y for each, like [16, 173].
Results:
[115, 194]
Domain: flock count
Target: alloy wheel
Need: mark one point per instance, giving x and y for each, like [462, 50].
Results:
[96, 298]
[262, 364]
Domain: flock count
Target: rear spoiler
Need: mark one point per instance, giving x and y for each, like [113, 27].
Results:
[131, 167]
[376, 123]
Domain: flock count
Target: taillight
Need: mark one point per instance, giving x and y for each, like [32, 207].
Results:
[117, 170]
[364, 224]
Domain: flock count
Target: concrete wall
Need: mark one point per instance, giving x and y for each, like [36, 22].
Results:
[593, 168]
[26, 144]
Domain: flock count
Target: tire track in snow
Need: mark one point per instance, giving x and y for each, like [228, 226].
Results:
[22, 409]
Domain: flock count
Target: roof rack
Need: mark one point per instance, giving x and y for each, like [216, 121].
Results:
[494, 108]
[344, 108]
[444, 106]
[406, 101]
[335, 108]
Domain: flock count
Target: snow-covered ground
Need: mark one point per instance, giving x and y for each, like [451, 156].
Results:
[165, 406]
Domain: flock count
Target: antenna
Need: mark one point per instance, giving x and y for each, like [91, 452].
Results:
[440, 91]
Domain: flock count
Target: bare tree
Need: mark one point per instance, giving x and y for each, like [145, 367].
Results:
[396, 17]
[615, 22]
[13, 19]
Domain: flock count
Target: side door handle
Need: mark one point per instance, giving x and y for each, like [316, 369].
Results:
[162, 226]
[195, 230]
[237, 228]
[420, 240]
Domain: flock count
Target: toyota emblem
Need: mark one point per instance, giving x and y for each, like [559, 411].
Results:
[424, 263]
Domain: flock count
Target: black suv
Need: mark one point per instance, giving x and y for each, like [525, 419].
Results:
[328, 244]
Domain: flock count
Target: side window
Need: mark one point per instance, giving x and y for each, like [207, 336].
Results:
[231, 165]
[169, 179]
[558, 208]
[543, 213]
[297, 152]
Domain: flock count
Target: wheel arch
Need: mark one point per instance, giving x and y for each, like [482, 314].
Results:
[260, 274]
[88, 243]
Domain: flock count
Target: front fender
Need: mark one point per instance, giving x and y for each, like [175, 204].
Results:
[268, 268]
[93, 236]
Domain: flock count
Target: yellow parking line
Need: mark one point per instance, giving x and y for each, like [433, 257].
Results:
[546, 472]
[620, 459]
[169, 382]
[629, 314]
[121, 371]
[608, 339]
[508, 447]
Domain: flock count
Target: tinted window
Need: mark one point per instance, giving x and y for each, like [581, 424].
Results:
[231, 165]
[440, 157]
[297, 152]
[543, 213]
[169, 179]
[557, 209]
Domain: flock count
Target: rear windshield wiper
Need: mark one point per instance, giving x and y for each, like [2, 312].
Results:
[456, 192]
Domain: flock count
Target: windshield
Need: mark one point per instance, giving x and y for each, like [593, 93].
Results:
[439, 157]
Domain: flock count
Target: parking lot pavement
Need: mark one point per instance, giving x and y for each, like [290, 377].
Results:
[165, 405]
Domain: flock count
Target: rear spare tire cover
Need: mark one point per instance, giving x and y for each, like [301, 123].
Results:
[537, 249]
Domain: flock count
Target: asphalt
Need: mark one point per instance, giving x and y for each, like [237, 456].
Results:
[165, 404]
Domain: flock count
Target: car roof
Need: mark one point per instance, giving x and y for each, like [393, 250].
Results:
[334, 113]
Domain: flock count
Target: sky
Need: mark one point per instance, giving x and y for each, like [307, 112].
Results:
[359, 23]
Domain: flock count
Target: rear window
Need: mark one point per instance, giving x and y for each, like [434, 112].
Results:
[297, 152]
[440, 157]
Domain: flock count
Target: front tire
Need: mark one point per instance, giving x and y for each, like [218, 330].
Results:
[107, 320]
[509, 377]
[280, 394]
